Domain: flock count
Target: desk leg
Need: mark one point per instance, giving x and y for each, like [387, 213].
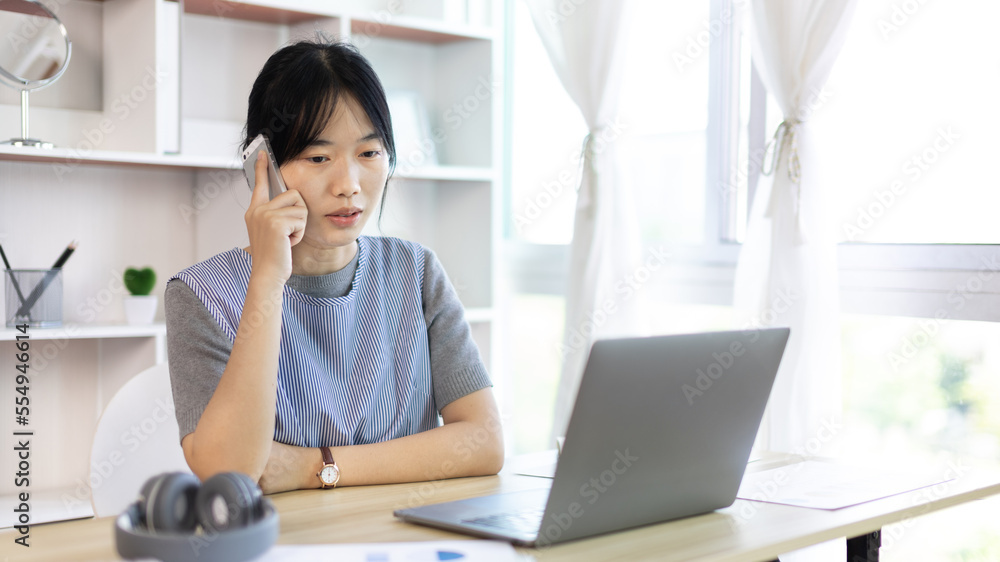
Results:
[864, 548]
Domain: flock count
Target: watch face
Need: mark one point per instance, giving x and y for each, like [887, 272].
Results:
[329, 475]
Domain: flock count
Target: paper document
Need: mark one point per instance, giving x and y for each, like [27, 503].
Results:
[459, 551]
[826, 485]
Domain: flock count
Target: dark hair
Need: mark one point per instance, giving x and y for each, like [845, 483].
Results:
[297, 91]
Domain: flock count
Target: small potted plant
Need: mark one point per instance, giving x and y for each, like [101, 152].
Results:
[140, 306]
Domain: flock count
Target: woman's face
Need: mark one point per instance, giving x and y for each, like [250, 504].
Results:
[340, 176]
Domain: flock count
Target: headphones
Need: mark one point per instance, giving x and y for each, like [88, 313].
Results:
[237, 523]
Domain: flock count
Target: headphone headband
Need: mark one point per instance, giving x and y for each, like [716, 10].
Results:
[234, 545]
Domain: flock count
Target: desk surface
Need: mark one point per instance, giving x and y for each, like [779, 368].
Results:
[746, 530]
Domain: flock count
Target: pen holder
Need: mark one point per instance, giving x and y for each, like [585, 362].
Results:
[33, 297]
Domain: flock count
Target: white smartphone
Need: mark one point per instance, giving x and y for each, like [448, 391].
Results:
[275, 183]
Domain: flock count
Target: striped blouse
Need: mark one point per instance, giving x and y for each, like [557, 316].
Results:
[351, 370]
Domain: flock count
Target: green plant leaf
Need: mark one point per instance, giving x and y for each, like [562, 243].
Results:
[139, 282]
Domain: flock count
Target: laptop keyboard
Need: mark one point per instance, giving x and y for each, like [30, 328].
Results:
[523, 521]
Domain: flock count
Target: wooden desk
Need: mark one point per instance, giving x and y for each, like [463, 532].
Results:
[744, 531]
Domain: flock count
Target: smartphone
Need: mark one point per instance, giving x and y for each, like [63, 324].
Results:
[275, 183]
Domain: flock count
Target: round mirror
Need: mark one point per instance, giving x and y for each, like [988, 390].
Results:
[35, 52]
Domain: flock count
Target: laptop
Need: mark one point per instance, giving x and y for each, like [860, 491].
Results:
[661, 429]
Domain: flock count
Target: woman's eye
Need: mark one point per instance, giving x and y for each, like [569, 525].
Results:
[317, 159]
[371, 154]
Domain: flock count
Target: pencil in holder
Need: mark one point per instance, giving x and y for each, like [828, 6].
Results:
[33, 297]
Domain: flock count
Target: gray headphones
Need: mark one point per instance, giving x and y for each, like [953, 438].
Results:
[236, 521]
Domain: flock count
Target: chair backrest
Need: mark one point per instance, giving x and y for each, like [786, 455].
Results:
[136, 437]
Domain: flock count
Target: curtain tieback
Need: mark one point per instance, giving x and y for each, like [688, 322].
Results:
[590, 148]
[786, 134]
[589, 151]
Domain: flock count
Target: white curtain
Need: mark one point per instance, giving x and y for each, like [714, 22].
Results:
[787, 271]
[586, 45]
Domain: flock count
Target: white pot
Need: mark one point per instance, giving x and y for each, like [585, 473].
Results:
[140, 310]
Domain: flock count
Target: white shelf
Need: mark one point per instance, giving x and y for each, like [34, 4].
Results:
[448, 173]
[412, 28]
[273, 11]
[47, 506]
[379, 23]
[82, 332]
[71, 157]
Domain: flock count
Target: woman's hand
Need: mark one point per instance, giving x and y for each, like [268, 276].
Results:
[470, 443]
[236, 430]
[274, 225]
[288, 468]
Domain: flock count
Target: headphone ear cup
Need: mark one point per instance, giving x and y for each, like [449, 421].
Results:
[228, 500]
[167, 503]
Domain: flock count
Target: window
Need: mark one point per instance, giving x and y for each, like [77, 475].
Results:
[663, 126]
[546, 136]
[925, 390]
[909, 123]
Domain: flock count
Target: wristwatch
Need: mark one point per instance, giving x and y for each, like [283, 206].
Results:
[329, 475]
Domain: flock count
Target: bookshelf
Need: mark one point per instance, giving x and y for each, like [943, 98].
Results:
[146, 123]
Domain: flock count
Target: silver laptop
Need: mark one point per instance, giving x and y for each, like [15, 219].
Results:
[661, 429]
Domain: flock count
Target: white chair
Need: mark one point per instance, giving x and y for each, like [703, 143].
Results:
[136, 437]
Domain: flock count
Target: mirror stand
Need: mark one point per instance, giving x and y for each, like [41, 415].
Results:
[37, 53]
[25, 140]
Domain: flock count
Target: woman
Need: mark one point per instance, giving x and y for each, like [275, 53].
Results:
[317, 357]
